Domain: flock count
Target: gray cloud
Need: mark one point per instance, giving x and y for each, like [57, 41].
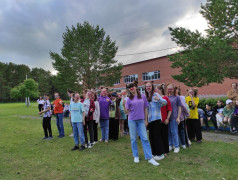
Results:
[30, 29]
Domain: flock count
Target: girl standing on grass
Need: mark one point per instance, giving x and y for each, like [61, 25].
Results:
[193, 122]
[154, 120]
[89, 107]
[136, 108]
[166, 113]
[184, 115]
[174, 118]
[96, 117]
[104, 102]
[47, 117]
[123, 114]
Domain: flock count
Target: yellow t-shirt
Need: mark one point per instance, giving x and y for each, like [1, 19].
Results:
[193, 110]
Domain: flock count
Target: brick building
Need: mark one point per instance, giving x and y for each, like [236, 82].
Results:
[159, 70]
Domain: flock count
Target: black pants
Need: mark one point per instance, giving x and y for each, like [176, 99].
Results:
[186, 132]
[40, 106]
[234, 121]
[47, 126]
[113, 128]
[95, 130]
[156, 141]
[88, 126]
[194, 129]
[165, 137]
[213, 119]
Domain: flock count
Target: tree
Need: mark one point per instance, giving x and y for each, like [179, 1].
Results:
[211, 57]
[87, 59]
[43, 78]
[29, 88]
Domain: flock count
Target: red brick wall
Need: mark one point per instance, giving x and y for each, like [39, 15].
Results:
[164, 66]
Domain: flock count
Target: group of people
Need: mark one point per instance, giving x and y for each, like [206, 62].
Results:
[171, 119]
[221, 115]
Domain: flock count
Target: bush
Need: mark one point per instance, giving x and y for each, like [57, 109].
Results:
[211, 101]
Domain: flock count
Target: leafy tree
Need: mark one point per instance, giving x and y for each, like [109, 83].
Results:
[10, 75]
[29, 88]
[87, 59]
[211, 57]
[43, 78]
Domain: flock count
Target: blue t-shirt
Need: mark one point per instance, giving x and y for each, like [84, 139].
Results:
[76, 110]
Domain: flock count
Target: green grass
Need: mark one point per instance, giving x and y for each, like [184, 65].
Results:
[24, 155]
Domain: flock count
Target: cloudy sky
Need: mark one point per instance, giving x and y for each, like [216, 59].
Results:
[30, 29]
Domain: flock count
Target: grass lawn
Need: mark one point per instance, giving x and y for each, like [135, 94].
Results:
[24, 155]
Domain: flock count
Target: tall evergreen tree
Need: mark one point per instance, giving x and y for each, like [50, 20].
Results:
[87, 58]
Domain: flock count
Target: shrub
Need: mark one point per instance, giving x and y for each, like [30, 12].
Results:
[211, 101]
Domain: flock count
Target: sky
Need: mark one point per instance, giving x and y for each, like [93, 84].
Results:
[30, 29]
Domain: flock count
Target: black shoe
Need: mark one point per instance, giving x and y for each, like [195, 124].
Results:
[45, 137]
[60, 136]
[81, 148]
[74, 148]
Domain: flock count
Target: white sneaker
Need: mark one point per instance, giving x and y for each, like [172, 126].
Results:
[170, 148]
[71, 135]
[189, 142]
[184, 146]
[136, 160]
[153, 162]
[176, 150]
[157, 158]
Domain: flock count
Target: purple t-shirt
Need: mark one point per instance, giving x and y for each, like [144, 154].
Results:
[104, 107]
[136, 107]
[175, 103]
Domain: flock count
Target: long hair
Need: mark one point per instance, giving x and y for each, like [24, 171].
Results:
[162, 88]
[149, 96]
[134, 84]
[179, 91]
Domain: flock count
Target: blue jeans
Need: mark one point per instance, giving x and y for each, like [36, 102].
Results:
[78, 133]
[173, 134]
[104, 124]
[59, 123]
[181, 129]
[138, 126]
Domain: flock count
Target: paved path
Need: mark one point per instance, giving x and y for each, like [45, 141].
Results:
[211, 136]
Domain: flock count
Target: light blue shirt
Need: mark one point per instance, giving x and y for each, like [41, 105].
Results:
[76, 110]
[154, 109]
[86, 106]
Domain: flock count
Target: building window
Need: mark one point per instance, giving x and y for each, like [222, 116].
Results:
[151, 75]
[130, 78]
[117, 82]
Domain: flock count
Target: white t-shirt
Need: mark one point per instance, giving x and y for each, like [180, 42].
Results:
[40, 101]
